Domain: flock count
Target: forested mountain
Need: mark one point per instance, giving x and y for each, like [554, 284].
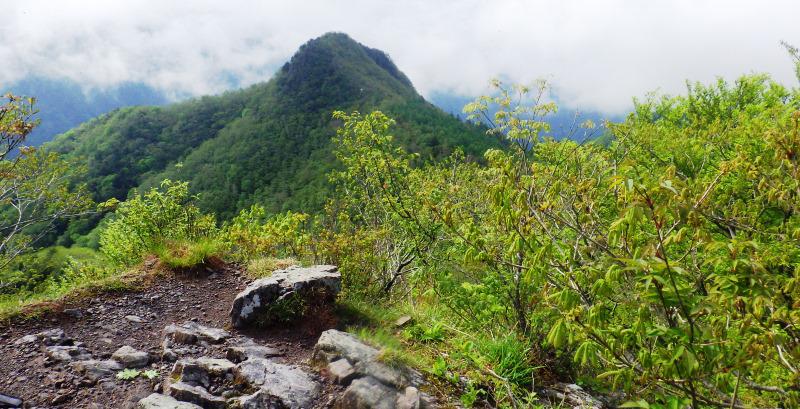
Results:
[269, 143]
[63, 104]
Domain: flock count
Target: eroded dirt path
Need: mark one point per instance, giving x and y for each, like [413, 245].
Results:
[108, 321]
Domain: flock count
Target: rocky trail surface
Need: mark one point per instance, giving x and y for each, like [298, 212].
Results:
[177, 335]
[213, 340]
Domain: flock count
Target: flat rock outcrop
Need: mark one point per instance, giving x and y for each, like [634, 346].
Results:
[312, 284]
[370, 383]
[292, 386]
[159, 401]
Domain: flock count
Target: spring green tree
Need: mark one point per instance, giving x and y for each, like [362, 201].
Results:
[35, 185]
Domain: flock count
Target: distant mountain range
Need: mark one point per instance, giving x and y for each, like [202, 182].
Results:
[64, 104]
[268, 144]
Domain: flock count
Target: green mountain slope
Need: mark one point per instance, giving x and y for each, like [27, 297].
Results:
[269, 143]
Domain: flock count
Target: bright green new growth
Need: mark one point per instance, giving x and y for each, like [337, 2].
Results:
[157, 219]
[150, 374]
[665, 264]
[129, 374]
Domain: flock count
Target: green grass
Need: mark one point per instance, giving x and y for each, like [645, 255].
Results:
[30, 304]
[264, 266]
[180, 255]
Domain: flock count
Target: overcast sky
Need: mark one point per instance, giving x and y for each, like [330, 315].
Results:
[598, 54]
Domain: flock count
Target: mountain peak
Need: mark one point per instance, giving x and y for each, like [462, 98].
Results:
[335, 68]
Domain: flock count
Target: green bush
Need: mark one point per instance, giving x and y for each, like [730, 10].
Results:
[150, 221]
[665, 264]
[251, 234]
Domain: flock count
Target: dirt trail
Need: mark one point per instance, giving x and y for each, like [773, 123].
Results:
[108, 321]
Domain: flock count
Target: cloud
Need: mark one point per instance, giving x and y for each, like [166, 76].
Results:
[598, 55]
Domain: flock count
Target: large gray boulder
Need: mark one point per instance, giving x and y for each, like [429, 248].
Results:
[289, 384]
[159, 401]
[372, 384]
[334, 346]
[312, 284]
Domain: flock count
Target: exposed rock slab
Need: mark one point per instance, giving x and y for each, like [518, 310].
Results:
[159, 401]
[10, 401]
[191, 332]
[572, 396]
[200, 371]
[49, 337]
[372, 384]
[94, 369]
[249, 349]
[258, 400]
[334, 345]
[67, 353]
[130, 357]
[368, 393]
[195, 394]
[291, 385]
[318, 281]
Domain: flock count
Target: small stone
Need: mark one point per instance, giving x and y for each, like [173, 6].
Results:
[94, 369]
[409, 399]
[368, 392]
[571, 395]
[159, 401]
[27, 339]
[241, 353]
[75, 313]
[66, 353]
[402, 321]
[130, 357]
[259, 400]
[191, 333]
[200, 371]
[168, 355]
[195, 394]
[341, 371]
[61, 397]
[10, 401]
[134, 318]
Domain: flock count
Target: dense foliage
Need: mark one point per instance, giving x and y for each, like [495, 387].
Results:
[156, 219]
[35, 186]
[665, 264]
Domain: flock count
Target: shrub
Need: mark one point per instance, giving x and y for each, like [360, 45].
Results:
[664, 263]
[251, 234]
[147, 222]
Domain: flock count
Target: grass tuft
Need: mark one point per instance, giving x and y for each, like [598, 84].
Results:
[264, 266]
[182, 255]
